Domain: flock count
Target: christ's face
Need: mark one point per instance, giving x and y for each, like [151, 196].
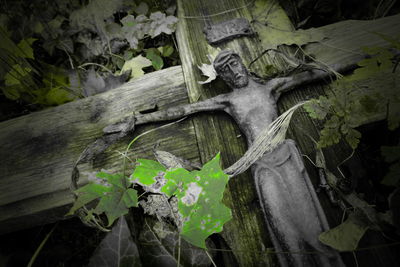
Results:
[234, 73]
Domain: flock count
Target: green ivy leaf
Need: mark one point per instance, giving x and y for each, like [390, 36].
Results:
[115, 197]
[154, 55]
[329, 136]
[147, 171]
[166, 51]
[318, 108]
[113, 179]
[333, 122]
[199, 196]
[353, 138]
[16, 75]
[25, 48]
[175, 180]
[116, 203]
[162, 24]
[11, 92]
[135, 65]
[134, 29]
[87, 194]
[346, 236]
[200, 200]
[208, 214]
[268, 15]
[130, 198]
[57, 96]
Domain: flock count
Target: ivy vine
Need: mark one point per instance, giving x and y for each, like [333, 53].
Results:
[200, 211]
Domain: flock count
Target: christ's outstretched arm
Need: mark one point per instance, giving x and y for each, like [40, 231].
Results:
[219, 102]
[127, 124]
[284, 84]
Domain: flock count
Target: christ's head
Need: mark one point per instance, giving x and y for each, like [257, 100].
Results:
[229, 66]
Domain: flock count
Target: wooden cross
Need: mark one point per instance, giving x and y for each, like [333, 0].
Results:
[38, 150]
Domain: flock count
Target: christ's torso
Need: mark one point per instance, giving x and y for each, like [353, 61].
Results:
[253, 107]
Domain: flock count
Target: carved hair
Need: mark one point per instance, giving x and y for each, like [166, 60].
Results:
[223, 57]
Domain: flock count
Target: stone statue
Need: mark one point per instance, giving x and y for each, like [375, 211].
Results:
[291, 208]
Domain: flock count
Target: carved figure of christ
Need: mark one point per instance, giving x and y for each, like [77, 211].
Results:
[293, 214]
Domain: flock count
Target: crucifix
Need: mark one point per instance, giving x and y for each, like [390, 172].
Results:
[291, 209]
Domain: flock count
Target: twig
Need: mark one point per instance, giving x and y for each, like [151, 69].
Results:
[37, 251]
[355, 258]
[341, 163]
[179, 250]
[94, 64]
[69, 56]
[211, 259]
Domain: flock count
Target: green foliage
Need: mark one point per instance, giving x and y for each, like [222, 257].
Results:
[147, 171]
[275, 28]
[318, 109]
[154, 56]
[166, 51]
[136, 28]
[340, 113]
[77, 34]
[25, 48]
[349, 104]
[115, 198]
[199, 196]
[136, 65]
[199, 193]
[23, 81]
[346, 236]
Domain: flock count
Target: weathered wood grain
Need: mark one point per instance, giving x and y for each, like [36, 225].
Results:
[342, 45]
[246, 233]
[38, 150]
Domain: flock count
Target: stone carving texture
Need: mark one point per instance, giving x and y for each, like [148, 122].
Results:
[290, 205]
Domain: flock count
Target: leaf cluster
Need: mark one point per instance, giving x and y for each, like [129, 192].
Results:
[348, 105]
[114, 195]
[47, 61]
[200, 211]
[199, 193]
[28, 80]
